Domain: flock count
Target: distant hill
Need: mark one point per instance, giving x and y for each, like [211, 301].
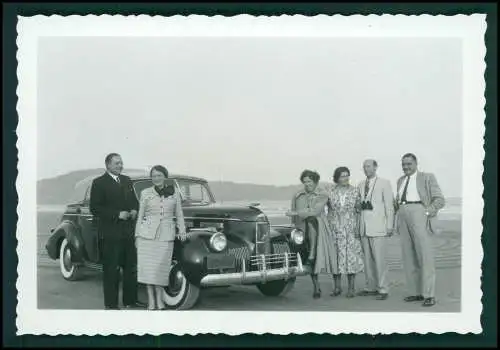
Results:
[59, 190]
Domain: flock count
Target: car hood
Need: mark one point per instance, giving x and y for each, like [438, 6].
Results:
[236, 212]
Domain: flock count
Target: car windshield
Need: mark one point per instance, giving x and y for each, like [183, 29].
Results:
[195, 192]
[192, 192]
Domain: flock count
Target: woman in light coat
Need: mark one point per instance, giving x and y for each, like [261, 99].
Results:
[308, 214]
[160, 213]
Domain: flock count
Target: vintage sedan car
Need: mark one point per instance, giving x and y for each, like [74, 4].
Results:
[228, 245]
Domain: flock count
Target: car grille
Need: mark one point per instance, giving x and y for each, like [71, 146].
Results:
[239, 253]
[281, 253]
[280, 248]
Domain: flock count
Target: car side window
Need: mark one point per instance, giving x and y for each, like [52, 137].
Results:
[195, 192]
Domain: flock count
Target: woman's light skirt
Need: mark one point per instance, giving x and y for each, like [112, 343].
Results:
[154, 259]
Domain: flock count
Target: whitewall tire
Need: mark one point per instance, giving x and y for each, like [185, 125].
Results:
[180, 294]
[69, 270]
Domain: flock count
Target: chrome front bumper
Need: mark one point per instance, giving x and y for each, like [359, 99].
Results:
[261, 276]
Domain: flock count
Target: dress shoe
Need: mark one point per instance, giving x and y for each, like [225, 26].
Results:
[317, 294]
[111, 308]
[414, 298]
[136, 305]
[429, 302]
[382, 296]
[367, 293]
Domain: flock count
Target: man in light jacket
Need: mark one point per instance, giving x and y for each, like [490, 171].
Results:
[376, 224]
[418, 200]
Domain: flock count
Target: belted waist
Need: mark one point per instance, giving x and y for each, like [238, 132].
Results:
[409, 202]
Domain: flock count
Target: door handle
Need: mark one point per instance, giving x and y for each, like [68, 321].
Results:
[89, 219]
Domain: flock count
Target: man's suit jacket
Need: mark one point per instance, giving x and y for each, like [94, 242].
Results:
[376, 222]
[430, 194]
[107, 199]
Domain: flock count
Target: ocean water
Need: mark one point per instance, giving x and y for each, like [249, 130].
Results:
[275, 209]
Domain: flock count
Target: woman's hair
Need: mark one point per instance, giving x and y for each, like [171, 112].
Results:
[339, 171]
[159, 168]
[314, 176]
[169, 189]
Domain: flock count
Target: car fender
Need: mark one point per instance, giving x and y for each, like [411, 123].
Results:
[191, 256]
[282, 234]
[71, 232]
[54, 242]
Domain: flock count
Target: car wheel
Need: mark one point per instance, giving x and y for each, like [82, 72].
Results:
[69, 269]
[180, 294]
[276, 288]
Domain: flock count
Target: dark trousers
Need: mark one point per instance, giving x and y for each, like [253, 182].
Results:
[119, 252]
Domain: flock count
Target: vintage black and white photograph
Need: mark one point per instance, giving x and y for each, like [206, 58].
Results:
[176, 174]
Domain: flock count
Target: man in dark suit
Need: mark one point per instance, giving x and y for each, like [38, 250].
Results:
[114, 204]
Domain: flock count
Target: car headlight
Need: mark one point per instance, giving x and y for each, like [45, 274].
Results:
[218, 242]
[297, 236]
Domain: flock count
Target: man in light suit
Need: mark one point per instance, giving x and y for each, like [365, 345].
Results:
[418, 201]
[376, 224]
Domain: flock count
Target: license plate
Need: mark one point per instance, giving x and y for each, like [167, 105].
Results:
[220, 262]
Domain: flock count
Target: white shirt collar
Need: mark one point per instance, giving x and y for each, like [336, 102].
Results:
[115, 177]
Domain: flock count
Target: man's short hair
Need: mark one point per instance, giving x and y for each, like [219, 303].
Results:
[410, 155]
[110, 156]
[373, 161]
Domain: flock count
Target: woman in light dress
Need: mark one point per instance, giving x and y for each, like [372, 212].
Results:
[160, 213]
[343, 216]
[308, 214]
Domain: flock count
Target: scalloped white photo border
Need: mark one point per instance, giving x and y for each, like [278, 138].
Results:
[470, 29]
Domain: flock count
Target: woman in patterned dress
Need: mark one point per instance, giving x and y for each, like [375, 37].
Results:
[343, 217]
[160, 211]
[308, 214]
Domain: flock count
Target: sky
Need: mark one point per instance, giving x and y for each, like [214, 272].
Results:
[251, 110]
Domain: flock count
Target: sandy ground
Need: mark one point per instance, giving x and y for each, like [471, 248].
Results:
[56, 293]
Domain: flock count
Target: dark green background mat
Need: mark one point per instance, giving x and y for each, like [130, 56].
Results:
[10, 199]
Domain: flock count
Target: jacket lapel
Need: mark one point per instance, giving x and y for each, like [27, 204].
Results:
[421, 186]
[400, 181]
[112, 180]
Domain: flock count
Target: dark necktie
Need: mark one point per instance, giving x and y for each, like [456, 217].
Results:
[403, 195]
[367, 187]
[118, 180]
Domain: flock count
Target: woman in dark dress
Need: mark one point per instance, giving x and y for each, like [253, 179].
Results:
[308, 213]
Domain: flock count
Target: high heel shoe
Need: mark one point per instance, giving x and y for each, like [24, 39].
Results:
[351, 291]
[336, 292]
[317, 294]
